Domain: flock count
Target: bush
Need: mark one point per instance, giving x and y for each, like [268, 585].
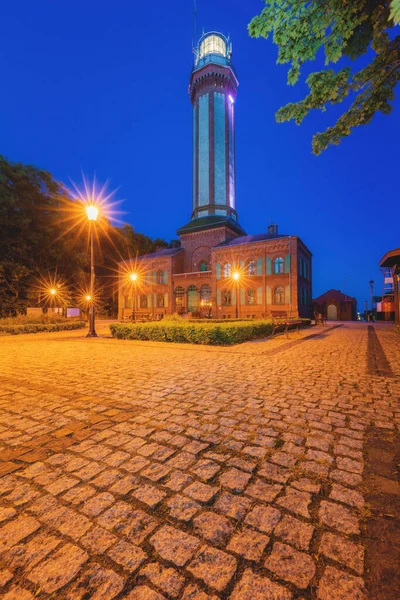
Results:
[36, 319]
[214, 334]
[15, 329]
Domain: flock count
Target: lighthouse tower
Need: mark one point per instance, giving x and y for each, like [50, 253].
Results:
[213, 88]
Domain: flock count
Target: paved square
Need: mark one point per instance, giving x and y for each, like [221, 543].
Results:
[150, 471]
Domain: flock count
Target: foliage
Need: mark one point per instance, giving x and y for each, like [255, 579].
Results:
[173, 317]
[214, 334]
[37, 319]
[342, 29]
[35, 240]
[40, 327]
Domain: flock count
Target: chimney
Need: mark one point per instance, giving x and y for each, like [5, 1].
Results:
[273, 229]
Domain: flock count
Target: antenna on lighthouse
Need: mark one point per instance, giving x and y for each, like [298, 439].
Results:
[195, 27]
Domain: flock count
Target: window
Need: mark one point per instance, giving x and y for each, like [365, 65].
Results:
[203, 265]
[278, 266]
[251, 297]
[160, 300]
[205, 295]
[227, 298]
[143, 301]
[212, 44]
[160, 277]
[192, 298]
[279, 295]
[227, 270]
[179, 297]
[251, 267]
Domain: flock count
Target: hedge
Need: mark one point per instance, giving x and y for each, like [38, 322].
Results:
[214, 334]
[40, 327]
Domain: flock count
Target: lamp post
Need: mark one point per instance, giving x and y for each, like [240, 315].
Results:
[133, 277]
[371, 287]
[92, 213]
[236, 277]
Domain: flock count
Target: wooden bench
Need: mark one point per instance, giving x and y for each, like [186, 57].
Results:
[286, 324]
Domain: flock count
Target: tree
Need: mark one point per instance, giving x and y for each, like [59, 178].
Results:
[343, 29]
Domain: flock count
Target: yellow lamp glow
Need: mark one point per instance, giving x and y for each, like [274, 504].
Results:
[133, 276]
[88, 298]
[92, 212]
[236, 276]
[53, 292]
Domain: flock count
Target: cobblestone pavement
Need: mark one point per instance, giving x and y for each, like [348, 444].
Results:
[146, 471]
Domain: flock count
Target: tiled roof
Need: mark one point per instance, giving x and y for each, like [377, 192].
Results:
[209, 222]
[161, 253]
[249, 239]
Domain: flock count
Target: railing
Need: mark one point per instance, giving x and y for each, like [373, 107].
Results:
[195, 274]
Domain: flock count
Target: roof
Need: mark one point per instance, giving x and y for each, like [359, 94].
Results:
[333, 295]
[391, 258]
[209, 222]
[250, 239]
[164, 253]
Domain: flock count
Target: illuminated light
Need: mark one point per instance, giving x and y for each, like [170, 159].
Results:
[92, 212]
[88, 298]
[133, 276]
[236, 276]
[232, 99]
[53, 292]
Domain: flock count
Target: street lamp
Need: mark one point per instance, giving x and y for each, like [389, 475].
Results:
[133, 277]
[92, 213]
[371, 287]
[236, 277]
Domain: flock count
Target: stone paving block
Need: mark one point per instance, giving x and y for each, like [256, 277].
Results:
[338, 517]
[6, 512]
[97, 504]
[343, 551]
[125, 485]
[14, 531]
[67, 521]
[97, 540]
[205, 469]
[214, 567]
[177, 480]
[294, 532]
[182, 507]
[235, 480]
[249, 544]
[306, 485]
[263, 518]
[18, 593]
[346, 496]
[348, 464]
[267, 492]
[345, 478]
[291, 565]
[155, 471]
[127, 555]
[5, 577]
[174, 545]
[201, 492]
[115, 459]
[149, 495]
[274, 473]
[144, 592]
[253, 586]
[167, 579]
[79, 494]
[193, 592]
[337, 585]
[97, 583]
[296, 501]
[215, 528]
[57, 570]
[29, 554]
[136, 525]
[233, 506]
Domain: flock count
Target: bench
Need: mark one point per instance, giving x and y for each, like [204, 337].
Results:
[285, 324]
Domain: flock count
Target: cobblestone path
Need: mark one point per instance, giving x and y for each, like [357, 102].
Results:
[146, 471]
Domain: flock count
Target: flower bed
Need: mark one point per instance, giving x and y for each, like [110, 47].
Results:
[17, 328]
[214, 334]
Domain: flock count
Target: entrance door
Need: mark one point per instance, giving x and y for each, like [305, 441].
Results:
[332, 312]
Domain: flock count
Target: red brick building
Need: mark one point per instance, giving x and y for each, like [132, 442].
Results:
[336, 306]
[219, 270]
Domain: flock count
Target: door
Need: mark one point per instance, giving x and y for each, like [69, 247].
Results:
[332, 312]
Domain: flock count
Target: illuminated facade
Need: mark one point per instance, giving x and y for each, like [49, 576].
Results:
[274, 271]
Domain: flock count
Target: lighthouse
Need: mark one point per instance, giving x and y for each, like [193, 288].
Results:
[213, 90]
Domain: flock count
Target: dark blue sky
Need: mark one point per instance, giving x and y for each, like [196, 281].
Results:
[96, 86]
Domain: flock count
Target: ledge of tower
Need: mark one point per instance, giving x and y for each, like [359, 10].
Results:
[210, 222]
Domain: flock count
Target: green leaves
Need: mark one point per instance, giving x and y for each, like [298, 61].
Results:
[341, 28]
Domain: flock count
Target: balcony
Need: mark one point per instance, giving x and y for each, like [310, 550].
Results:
[194, 275]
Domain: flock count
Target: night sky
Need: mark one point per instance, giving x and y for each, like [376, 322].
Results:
[101, 87]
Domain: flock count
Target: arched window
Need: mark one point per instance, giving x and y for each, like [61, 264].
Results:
[160, 300]
[251, 296]
[192, 298]
[227, 270]
[179, 297]
[278, 266]
[205, 295]
[143, 301]
[279, 295]
[203, 265]
[160, 277]
[251, 267]
[227, 298]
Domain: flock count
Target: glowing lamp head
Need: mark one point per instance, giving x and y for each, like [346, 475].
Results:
[53, 292]
[231, 99]
[88, 298]
[236, 276]
[92, 212]
[133, 276]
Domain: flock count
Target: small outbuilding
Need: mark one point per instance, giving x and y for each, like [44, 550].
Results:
[391, 261]
[335, 306]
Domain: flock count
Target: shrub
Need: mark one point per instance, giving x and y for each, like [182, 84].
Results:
[36, 319]
[15, 329]
[174, 317]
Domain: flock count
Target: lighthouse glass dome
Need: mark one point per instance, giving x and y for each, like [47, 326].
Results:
[212, 44]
